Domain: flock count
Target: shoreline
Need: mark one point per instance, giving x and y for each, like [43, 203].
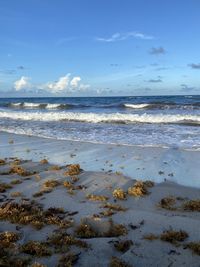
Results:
[147, 163]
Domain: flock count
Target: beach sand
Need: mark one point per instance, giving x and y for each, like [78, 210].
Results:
[154, 225]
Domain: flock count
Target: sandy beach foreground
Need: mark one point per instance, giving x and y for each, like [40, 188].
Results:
[122, 206]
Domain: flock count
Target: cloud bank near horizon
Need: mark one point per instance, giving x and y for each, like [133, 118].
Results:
[64, 84]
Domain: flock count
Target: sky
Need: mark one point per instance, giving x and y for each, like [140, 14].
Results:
[99, 47]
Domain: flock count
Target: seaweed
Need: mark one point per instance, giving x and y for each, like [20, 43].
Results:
[44, 161]
[123, 245]
[36, 248]
[173, 236]
[113, 207]
[116, 230]
[16, 181]
[68, 185]
[139, 189]
[116, 262]
[73, 169]
[168, 203]
[51, 183]
[16, 261]
[119, 193]
[150, 237]
[62, 241]
[2, 162]
[4, 187]
[30, 213]
[195, 247]
[54, 168]
[192, 205]
[8, 238]
[85, 231]
[20, 171]
[16, 194]
[97, 197]
[68, 260]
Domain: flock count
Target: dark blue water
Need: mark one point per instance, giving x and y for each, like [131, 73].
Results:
[171, 121]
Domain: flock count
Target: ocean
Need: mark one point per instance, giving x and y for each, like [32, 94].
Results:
[161, 121]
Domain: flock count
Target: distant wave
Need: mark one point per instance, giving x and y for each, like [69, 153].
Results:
[152, 105]
[28, 105]
[163, 105]
[135, 106]
[102, 118]
[16, 104]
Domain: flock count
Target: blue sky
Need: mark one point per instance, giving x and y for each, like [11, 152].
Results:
[99, 47]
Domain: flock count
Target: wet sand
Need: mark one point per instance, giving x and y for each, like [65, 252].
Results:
[153, 163]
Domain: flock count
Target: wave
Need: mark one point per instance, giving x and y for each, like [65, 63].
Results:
[102, 118]
[163, 106]
[31, 105]
[28, 105]
[55, 106]
[159, 105]
[135, 106]
[16, 104]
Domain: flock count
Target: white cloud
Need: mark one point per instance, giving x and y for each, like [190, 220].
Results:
[124, 36]
[63, 85]
[75, 82]
[84, 86]
[22, 83]
[60, 85]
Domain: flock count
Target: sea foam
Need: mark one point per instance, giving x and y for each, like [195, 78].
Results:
[101, 118]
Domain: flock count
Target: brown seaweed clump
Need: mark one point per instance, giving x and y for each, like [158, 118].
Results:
[44, 161]
[73, 169]
[97, 197]
[119, 193]
[68, 260]
[2, 162]
[62, 241]
[173, 236]
[20, 171]
[16, 194]
[7, 239]
[4, 187]
[116, 262]
[54, 168]
[192, 205]
[30, 213]
[16, 181]
[68, 185]
[8, 260]
[113, 207]
[123, 245]
[150, 237]
[36, 248]
[51, 183]
[149, 183]
[116, 230]
[168, 203]
[85, 231]
[195, 247]
[139, 189]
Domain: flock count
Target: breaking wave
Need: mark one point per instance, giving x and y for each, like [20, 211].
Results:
[102, 118]
[133, 106]
[28, 105]
[136, 106]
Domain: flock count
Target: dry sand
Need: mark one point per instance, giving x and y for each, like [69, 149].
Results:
[143, 215]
